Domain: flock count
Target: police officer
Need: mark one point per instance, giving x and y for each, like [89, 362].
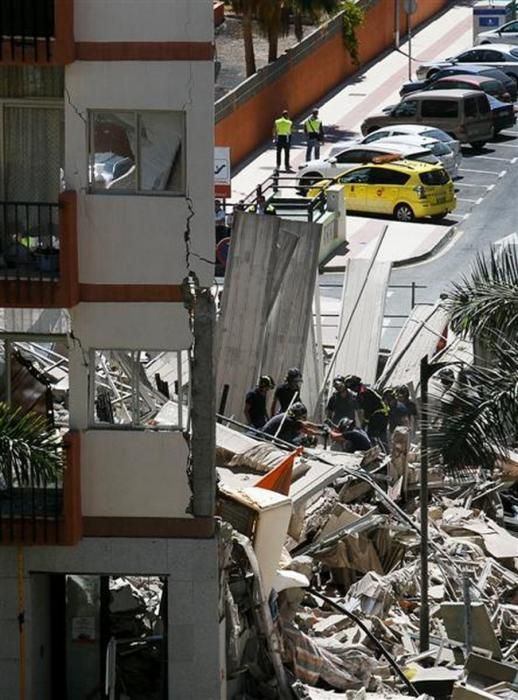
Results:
[315, 134]
[282, 131]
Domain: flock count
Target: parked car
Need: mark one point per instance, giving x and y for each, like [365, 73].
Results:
[444, 155]
[509, 83]
[352, 154]
[502, 114]
[503, 56]
[506, 34]
[404, 189]
[428, 132]
[472, 82]
[465, 114]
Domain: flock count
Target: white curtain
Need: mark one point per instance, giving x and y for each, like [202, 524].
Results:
[33, 148]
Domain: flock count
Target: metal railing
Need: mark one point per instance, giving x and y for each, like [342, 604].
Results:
[27, 27]
[31, 510]
[29, 241]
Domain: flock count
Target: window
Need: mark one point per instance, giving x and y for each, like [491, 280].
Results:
[352, 156]
[483, 104]
[139, 389]
[376, 136]
[382, 176]
[136, 152]
[489, 56]
[434, 177]
[360, 176]
[470, 107]
[514, 53]
[405, 109]
[446, 109]
[511, 27]
[474, 56]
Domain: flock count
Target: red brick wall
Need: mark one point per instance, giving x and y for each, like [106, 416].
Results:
[250, 124]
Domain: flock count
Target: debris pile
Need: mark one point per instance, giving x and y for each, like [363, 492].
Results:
[346, 603]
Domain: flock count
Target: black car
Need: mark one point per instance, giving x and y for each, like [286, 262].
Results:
[510, 85]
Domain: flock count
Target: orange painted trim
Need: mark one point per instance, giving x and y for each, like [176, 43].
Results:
[144, 51]
[131, 292]
[185, 528]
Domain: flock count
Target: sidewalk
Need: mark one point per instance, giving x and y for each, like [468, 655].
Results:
[342, 115]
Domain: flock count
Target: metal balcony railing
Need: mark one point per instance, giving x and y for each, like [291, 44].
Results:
[29, 241]
[26, 26]
[42, 511]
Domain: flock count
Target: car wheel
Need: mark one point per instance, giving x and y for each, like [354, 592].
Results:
[404, 212]
[477, 145]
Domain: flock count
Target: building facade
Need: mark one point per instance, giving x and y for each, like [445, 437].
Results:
[106, 221]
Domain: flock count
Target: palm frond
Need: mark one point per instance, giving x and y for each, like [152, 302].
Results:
[478, 423]
[484, 304]
[30, 453]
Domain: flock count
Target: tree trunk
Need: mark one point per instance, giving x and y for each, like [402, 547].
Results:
[273, 44]
[248, 39]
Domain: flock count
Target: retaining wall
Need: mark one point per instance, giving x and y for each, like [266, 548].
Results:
[306, 73]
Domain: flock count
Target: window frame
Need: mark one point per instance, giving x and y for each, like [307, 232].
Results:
[183, 396]
[181, 192]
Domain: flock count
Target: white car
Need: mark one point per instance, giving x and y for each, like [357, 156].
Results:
[450, 158]
[506, 34]
[502, 56]
[352, 154]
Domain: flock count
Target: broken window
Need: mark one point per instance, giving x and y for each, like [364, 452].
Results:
[136, 152]
[34, 375]
[137, 388]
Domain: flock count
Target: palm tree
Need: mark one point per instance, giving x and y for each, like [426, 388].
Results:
[478, 425]
[30, 453]
[247, 10]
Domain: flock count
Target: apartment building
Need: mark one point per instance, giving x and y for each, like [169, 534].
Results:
[106, 221]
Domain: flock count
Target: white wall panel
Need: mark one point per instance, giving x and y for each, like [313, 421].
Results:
[121, 20]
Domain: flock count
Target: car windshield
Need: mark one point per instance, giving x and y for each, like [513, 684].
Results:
[440, 149]
[434, 177]
[437, 134]
[514, 52]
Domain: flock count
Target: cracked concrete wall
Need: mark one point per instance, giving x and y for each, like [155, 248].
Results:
[140, 239]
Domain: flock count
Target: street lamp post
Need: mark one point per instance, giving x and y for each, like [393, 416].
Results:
[424, 611]
[410, 7]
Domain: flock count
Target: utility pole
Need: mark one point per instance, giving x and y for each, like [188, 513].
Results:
[410, 7]
[424, 609]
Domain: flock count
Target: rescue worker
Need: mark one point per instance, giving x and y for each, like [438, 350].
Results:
[350, 436]
[282, 131]
[403, 395]
[342, 402]
[292, 426]
[255, 402]
[373, 411]
[314, 131]
[288, 392]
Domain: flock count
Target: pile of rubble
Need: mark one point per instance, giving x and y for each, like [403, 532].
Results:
[323, 584]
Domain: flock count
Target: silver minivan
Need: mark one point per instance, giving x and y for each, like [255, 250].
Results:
[465, 114]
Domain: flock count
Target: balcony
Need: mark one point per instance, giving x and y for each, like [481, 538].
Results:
[38, 254]
[41, 512]
[36, 31]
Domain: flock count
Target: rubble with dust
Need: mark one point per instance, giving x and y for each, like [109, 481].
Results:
[346, 604]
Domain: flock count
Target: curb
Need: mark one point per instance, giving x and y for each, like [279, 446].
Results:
[445, 239]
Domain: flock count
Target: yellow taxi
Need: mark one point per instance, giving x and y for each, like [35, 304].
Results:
[405, 189]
